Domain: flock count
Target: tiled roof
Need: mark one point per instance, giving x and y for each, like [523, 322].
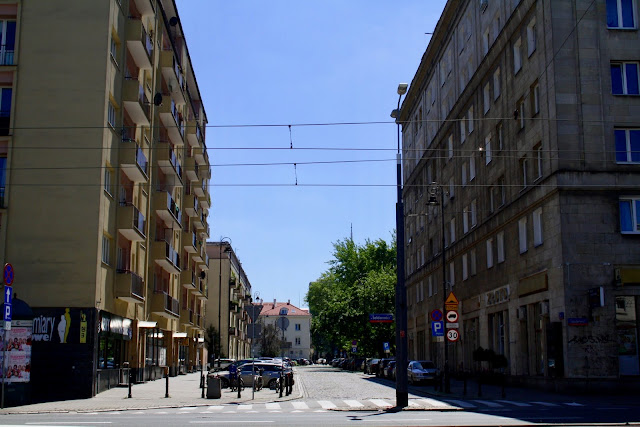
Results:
[269, 309]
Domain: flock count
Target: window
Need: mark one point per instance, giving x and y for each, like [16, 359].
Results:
[621, 14]
[629, 215]
[297, 326]
[485, 42]
[3, 180]
[486, 97]
[284, 311]
[452, 188]
[522, 234]
[452, 273]
[474, 213]
[106, 249]
[627, 145]
[472, 168]
[450, 147]
[499, 136]
[297, 340]
[489, 253]
[496, 84]
[452, 228]
[487, 150]
[537, 158]
[111, 115]
[464, 174]
[465, 267]
[624, 78]
[517, 56]
[472, 260]
[465, 219]
[537, 227]
[7, 42]
[470, 119]
[430, 283]
[463, 130]
[535, 99]
[108, 180]
[500, 244]
[520, 112]
[531, 37]
[5, 110]
[524, 171]
[113, 48]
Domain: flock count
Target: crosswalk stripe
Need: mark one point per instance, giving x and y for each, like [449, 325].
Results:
[353, 403]
[414, 404]
[433, 402]
[245, 407]
[380, 402]
[275, 412]
[489, 403]
[296, 411]
[300, 405]
[545, 403]
[319, 410]
[511, 402]
[215, 408]
[272, 406]
[187, 409]
[461, 403]
[573, 404]
[326, 404]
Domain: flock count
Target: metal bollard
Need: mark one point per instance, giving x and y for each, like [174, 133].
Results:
[287, 384]
[166, 394]
[130, 383]
[281, 384]
[239, 385]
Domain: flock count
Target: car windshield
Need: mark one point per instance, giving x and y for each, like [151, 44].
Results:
[424, 364]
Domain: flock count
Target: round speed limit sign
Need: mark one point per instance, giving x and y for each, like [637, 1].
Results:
[453, 335]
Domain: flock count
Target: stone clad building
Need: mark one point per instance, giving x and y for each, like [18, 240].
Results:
[526, 115]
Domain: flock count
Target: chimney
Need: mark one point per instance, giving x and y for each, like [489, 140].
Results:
[288, 302]
[274, 303]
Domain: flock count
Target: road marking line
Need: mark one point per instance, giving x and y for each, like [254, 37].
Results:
[300, 405]
[380, 402]
[245, 407]
[511, 402]
[272, 406]
[414, 404]
[229, 412]
[214, 408]
[573, 404]
[296, 411]
[353, 403]
[275, 412]
[434, 402]
[187, 409]
[489, 403]
[461, 403]
[545, 403]
[326, 404]
[319, 410]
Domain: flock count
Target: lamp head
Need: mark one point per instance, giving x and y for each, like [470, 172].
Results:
[402, 88]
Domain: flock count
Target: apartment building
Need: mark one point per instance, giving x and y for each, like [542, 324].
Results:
[230, 292]
[104, 190]
[520, 156]
[297, 335]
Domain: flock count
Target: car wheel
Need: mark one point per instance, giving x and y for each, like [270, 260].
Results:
[272, 383]
[224, 383]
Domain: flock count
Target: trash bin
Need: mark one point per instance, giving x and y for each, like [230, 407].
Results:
[214, 391]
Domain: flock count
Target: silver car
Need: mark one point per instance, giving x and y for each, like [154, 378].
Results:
[422, 371]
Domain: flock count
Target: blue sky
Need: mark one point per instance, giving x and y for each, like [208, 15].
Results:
[299, 62]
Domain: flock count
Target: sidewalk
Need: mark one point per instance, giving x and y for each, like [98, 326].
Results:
[184, 390]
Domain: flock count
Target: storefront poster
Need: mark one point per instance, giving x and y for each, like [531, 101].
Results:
[18, 352]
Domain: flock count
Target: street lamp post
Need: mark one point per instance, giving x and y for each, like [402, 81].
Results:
[226, 250]
[433, 190]
[402, 388]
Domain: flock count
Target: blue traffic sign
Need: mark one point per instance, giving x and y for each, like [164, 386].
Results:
[8, 274]
[7, 312]
[437, 329]
[385, 345]
[7, 295]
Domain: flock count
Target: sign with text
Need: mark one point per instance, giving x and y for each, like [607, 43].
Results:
[451, 303]
[453, 335]
[381, 318]
[437, 329]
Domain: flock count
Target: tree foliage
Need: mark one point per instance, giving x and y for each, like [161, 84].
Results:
[212, 341]
[270, 341]
[360, 280]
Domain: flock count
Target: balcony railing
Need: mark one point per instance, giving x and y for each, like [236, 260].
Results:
[129, 286]
[171, 305]
[7, 55]
[170, 254]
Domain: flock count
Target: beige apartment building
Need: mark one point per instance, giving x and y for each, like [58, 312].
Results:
[105, 189]
[297, 335]
[230, 292]
[524, 113]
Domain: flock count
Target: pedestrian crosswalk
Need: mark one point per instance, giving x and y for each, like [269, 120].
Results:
[310, 405]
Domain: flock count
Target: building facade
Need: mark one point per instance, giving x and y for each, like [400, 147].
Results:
[104, 189]
[230, 292]
[297, 335]
[520, 158]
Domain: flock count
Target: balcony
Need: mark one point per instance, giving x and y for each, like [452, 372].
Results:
[191, 205]
[198, 153]
[186, 317]
[188, 279]
[133, 162]
[190, 169]
[199, 289]
[131, 223]
[165, 305]
[167, 209]
[139, 43]
[173, 75]
[7, 54]
[172, 120]
[129, 287]
[189, 242]
[196, 188]
[205, 201]
[194, 135]
[204, 230]
[135, 101]
[165, 256]
[145, 7]
[169, 163]
[204, 265]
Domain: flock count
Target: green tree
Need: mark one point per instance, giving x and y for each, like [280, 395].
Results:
[212, 341]
[270, 341]
[360, 280]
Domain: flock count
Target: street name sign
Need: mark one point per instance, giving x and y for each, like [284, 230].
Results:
[381, 318]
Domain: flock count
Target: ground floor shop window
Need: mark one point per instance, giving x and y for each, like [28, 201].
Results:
[627, 334]
[156, 354]
[421, 345]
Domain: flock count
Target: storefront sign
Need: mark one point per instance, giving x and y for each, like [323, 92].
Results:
[62, 325]
[497, 296]
[18, 352]
[577, 321]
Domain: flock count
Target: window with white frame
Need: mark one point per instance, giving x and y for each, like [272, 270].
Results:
[486, 97]
[463, 130]
[496, 84]
[452, 273]
[470, 120]
[472, 168]
[487, 150]
[113, 49]
[465, 219]
[537, 159]
[485, 42]
[452, 229]
[524, 171]
[625, 78]
[452, 188]
[627, 145]
[474, 213]
[472, 262]
[517, 56]
[430, 285]
[629, 214]
[535, 99]
[450, 146]
[522, 234]
[108, 179]
[111, 114]
[490, 253]
[464, 174]
[465, 267]
[500, 246]
[531, 37]
[621, 14]
[537, 227]
[298, 341]
[520, 108]
[106, 250]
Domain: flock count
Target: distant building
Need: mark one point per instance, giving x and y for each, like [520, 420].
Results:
[297, 335]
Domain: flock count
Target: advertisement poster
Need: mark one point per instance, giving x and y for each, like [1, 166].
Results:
[17, 351]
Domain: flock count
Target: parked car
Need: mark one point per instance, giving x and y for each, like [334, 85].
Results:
[371, 366]
[268, 372]
[389, 370]
[381, 365]
[246, 372]
[321, 361]
[221, 364]
[420, 371]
